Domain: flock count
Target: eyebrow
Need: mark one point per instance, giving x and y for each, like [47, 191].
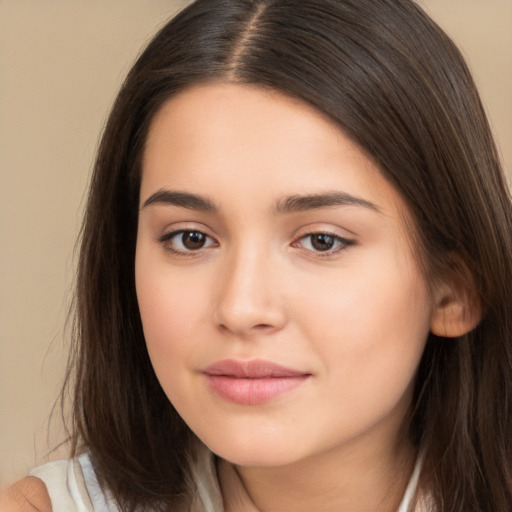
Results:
[182, 199]
[300, 203]
[291, 204]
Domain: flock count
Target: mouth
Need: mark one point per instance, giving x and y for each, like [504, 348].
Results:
[252, 382]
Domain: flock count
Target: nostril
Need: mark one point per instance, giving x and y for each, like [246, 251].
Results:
[258, 327]
[262, 327]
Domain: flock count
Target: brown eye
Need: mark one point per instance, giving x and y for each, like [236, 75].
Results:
[322, 242]
[328, 243]
[186, 241]
[193, 240]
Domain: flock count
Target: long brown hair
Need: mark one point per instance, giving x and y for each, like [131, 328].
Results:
[397, 85]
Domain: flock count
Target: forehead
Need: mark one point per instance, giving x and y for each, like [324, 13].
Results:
[248, 141]
[245, 115]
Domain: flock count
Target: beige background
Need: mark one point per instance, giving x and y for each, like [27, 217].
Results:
[61, 63]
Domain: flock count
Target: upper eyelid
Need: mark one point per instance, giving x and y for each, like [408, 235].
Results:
[328, 233]
[319, 228]
[327, 228]
[321, 232]
[181, 226]
[174, 232]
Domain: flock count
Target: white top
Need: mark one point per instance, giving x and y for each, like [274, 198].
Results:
[73, 486]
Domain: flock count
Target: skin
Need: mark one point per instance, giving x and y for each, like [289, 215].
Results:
[27, 495]
[354, 318]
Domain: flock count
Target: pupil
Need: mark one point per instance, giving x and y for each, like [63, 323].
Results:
[322, 242]
[193, 240]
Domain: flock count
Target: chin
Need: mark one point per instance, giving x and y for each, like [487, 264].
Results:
[254, 453]
[257, 458]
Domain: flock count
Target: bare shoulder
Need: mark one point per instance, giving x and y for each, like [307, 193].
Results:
[27, 495]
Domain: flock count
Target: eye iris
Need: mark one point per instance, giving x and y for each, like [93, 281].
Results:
[193, 240]
[322, 242]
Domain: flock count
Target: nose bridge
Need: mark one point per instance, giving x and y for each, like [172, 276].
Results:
[248, 299]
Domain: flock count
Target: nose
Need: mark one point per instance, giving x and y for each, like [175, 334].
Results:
[250, 301]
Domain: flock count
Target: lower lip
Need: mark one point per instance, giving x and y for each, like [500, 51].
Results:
[253, 391]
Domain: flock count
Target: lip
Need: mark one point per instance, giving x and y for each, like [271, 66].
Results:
[252, 382]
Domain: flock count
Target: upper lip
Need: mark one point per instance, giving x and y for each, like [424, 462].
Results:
[256, 368]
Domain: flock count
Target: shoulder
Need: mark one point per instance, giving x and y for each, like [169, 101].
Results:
[58, 486]
[27, 495]
[67, 486]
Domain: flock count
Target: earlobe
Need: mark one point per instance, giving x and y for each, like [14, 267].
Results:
[457, 308]
[454, 319]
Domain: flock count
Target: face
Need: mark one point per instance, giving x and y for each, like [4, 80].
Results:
[283, 309]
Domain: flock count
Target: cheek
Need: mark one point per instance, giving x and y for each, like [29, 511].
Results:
[369, 329]
[171, 311]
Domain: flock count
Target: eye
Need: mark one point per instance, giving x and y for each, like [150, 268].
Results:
[323, 242]
[186, 241]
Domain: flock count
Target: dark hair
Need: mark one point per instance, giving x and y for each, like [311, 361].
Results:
[395, 84]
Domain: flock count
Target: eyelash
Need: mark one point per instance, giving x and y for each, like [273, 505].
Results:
[342, 243]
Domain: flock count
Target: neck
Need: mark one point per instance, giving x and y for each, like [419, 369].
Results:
[342, 480]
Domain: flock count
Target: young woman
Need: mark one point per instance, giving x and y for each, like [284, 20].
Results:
[294, 283]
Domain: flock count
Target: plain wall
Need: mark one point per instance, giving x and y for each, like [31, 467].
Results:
[61, 63]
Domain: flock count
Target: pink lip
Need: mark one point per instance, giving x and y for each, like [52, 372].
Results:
[252, 382]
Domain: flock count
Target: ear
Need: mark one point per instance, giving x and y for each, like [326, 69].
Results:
[458, 309]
